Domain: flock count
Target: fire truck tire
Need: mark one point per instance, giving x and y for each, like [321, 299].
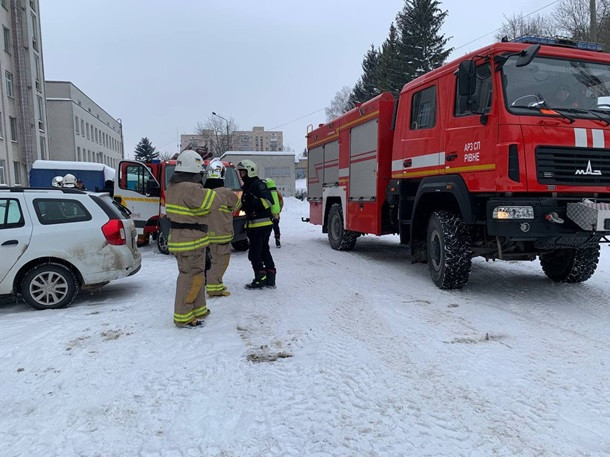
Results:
[339, 238]
[162, 244]
[570, 265]
[241, 245]
[448, 250]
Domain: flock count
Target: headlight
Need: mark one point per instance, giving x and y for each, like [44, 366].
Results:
[242, 213]
[513, 212]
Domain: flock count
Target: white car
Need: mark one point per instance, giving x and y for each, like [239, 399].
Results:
[55, 241]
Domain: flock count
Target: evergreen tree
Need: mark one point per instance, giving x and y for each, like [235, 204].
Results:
[421, 46]
[389, 75]
[145, 152]
[366, 87]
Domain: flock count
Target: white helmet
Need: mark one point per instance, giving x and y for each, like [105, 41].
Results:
[69, 180]
[189, 162]
[57, 181]
[249, 166]
[216, 169]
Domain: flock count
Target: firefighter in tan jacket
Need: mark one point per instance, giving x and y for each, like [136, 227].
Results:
[221, 229]
[188, 205]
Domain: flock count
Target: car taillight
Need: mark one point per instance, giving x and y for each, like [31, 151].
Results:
[114, 231]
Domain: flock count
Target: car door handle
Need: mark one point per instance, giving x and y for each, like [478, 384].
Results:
[9, 242]
[451, 156]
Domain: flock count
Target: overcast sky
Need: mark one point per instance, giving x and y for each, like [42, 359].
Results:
[162, 66]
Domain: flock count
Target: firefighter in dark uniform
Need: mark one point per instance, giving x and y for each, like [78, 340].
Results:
[188, 205]
[256, 202]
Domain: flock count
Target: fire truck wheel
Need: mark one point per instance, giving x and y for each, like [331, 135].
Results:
[339, 238]
[448, 250]
[570, 265]
[162, 244]
[241, 245]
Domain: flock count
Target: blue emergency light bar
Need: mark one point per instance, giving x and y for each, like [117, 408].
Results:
[565, 42]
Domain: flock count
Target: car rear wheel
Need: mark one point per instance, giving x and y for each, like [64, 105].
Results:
[49, 286]
[241, 245]
[162, 243]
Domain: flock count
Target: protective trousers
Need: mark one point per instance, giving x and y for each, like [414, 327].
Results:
[259, 254]
[221, 254]
[190, 292]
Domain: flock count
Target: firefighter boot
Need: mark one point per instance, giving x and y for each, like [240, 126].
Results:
[271, 278]
[277, 242]
[259, 281]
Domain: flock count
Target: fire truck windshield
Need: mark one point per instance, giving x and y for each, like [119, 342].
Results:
[578, 87]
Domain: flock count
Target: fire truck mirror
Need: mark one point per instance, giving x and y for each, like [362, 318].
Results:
[467, 73]
[527, 55]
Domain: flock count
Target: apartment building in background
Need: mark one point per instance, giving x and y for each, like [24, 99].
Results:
[23, 117]
[79, 129]
[278, 165]
[258, 139]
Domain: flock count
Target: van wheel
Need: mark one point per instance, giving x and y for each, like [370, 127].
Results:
[49, 286]
[570, 265]
[339, 238]
[448, 250]
[162, 244]
[241, 245]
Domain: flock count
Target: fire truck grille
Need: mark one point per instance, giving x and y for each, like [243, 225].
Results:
[573, 166]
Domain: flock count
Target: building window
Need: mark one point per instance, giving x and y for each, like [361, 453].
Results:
[88, 137]
[43, 148]
[77, 125]
[3, 3]
[13, 122]
[7, 40]
[37, 70]
[2, 175]
[8, 77]
[17, 169]
[78, 153]
[82, 127]
[34, 32]
[1, 130]
[40, 108]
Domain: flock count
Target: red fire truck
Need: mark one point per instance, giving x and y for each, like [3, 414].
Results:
[141, 188]
[503, 154]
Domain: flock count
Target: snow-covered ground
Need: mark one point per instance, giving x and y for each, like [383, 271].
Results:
[355, 353]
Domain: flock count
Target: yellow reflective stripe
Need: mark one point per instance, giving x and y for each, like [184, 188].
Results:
[237, 205]
[265, 202]
[258, 224]
[225, 209]
[198, 312]
[176, 246]
[214, 287]
[207, 202]
[184, 317]
[217, 239]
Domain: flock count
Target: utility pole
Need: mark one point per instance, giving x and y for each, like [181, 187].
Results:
[592, 21]
[217, 115]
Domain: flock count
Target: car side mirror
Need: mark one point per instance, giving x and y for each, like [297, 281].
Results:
[153, 189]
[467, 73]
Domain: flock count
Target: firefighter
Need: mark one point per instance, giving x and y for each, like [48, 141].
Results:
[256, 202]
[188, 205]
[221, 229]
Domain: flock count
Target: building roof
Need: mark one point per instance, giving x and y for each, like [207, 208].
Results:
[257, 153]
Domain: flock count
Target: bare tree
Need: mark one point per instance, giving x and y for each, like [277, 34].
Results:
[573, 18]
[339, 104]
[218, 134]
[519, 25]
[164, 155]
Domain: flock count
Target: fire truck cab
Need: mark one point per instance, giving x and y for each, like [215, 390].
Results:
[503, 154]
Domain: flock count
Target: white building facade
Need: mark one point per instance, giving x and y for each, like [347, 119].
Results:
[23, 117]
[278, 166]
[79, 129]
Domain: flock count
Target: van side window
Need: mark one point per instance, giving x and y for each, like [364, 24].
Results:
[423, 109]
[481, 100]
[10, 214]
[134, 177]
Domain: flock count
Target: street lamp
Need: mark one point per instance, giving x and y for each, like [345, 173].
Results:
[217, 115]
